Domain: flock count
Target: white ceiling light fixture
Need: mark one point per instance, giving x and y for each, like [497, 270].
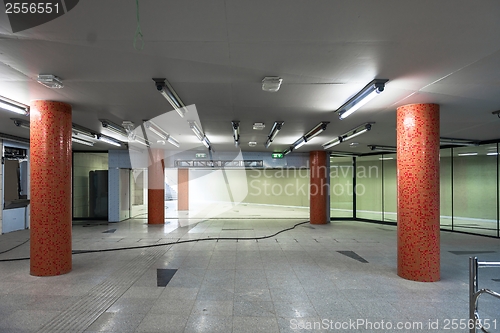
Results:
[252, 143]
[82, 142]
[357, 131]
[50, 81]
[287, 151]
[310, 135]
[13, 106]
[21, 123]
[457, 142]
[370, 91]
[236, 132]
[390, 149]
[332, 143]
[258, 126]
[196, 130]
[108, 140]
[110, 126]
[170, 95]
[467, 154]
[274, 131]
[81, 131]
[150, 125]
[271, 83]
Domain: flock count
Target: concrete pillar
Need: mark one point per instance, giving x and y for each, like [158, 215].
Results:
[50, 168]
[418, 192]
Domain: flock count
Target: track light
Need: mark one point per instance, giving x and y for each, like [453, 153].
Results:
[332, 143]
[356, 131]
[13, 106]
[370, 91]
[21, 123]
[274, 131]
[109, 125]
[236, 132]
[457, 142]
[168, 92]
[150, 125]
[108, 140]
[82, 142]
[390, 149]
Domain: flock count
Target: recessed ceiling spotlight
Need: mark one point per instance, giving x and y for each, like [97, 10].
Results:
[259, 126]
[252, 143]
[271, 83]
[50, 81]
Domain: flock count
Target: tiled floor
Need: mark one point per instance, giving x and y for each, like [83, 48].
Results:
[290, 282]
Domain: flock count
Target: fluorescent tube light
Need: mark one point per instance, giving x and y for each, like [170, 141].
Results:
[206, 142]
[370, 91]
[236, 132]
[467, 154]
[287, 151]
[491, 154]
[13, 106]
[150, 125]
[196, 130]
[21, 123]
[173, 141]
[274, 131]
[316, 130]
[80, 131]
[110, 126]
[385, 158]
[457, 142]
[82, 142]
[168, 92]
[357, 131]
[109, 141]
[299, 143]
[332, 143]
[383, 148]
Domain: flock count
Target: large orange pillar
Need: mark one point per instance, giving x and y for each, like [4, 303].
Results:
[319, 208]
[156, 187]
[50, 172]
[183, 189]
[418, 192]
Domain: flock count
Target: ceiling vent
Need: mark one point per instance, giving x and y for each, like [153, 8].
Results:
[50, 81]
[259, 126]
[271, 83]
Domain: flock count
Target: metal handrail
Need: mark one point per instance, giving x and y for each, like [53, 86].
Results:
[475, 292]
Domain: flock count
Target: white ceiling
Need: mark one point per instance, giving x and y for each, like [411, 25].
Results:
[215, 54]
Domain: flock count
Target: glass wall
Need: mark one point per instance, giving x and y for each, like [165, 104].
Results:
[469, 188]
[341, 187]
[90, 185]
[369, 186]
[475, 189]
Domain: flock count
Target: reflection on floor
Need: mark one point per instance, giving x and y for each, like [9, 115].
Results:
[307, 277]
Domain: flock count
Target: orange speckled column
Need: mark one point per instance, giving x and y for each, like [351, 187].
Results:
[50, 172]
[418, 192]
[318, 188]
[183, 187]
[156, 187]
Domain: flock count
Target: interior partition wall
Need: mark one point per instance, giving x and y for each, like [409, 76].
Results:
[469, 189]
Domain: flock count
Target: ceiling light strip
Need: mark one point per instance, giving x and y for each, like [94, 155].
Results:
[13, 106]
[370, 91]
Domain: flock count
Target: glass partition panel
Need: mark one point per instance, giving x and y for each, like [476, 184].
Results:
[446, 187]
[369, 187]
[475, 189]
[390, 187]
[90, 185]
[341, 187]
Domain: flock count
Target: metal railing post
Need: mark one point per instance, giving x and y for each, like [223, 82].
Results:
[472, 293]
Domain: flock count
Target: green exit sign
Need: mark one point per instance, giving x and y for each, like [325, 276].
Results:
[277, 155]
[201, 155]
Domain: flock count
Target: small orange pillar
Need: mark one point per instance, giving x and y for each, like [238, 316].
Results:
[318, 188]
[50, 176]
[183, 187]
[156, 187]
[418, 192]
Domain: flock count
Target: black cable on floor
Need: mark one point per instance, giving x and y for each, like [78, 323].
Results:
[15, 247]
[171, 243]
